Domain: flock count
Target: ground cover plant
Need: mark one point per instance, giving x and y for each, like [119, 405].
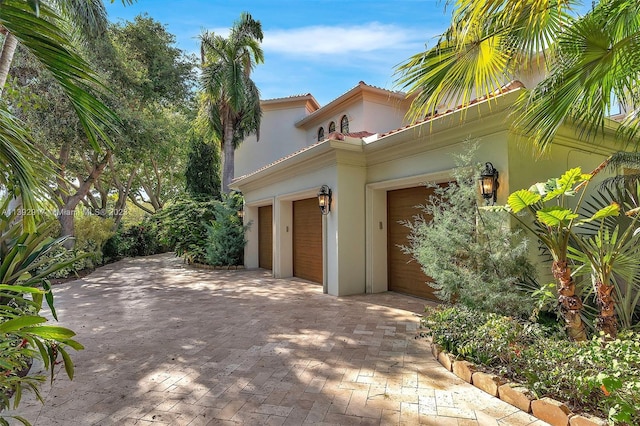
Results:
[598, 376]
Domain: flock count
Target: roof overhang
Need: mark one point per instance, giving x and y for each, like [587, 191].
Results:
[350, 96]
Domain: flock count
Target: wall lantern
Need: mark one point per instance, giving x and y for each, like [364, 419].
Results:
[489, 183]
[241, 213]
[324, 199]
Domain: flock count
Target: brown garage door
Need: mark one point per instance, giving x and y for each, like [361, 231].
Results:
[405, 274]
[265, 237]
[307, 240]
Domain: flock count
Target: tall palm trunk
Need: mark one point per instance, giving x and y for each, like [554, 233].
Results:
[6, 57]
[570, 302]
[228, 168]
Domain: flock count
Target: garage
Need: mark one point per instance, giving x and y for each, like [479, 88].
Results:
[404, 275]
[307, 240]
[265, 237]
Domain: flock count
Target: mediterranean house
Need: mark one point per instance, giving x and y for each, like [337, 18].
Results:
[375, 165]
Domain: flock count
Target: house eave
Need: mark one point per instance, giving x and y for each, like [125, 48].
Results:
[350, 96]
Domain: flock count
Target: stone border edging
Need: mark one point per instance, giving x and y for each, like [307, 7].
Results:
[546, 409]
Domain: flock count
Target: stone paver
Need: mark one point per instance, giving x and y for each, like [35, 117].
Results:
[169, 344]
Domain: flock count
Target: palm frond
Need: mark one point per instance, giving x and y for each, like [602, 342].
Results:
[17, 172]
[45, 40]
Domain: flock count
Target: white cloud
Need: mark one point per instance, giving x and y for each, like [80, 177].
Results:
[341, 40]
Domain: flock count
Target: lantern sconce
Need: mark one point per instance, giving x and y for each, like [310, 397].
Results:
[324, 199]
[489, 183]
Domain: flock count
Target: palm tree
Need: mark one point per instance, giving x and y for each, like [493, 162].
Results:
[39, 31]
[230, 100]
[591, 63]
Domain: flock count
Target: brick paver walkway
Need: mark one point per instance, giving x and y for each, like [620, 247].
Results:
[168, 344]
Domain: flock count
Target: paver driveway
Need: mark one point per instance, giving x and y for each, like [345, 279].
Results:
[168, 344]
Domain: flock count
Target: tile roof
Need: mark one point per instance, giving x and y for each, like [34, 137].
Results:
[301, 95]
[513, 85]
[337, 136]
[361, 86]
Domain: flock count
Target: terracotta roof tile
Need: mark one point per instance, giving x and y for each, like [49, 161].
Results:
[513, 85]
[337, 136]
[301, 95]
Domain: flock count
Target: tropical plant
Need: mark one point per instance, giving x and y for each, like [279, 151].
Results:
[547, 203]
[22, 260]
[202, 171]
[590, 62]
[182, 227]
[230, 100]
[608, 248]
[24, 337]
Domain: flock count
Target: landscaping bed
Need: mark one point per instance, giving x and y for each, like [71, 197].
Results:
[596, 377]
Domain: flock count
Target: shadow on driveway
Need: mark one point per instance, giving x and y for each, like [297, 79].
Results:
[169, 344]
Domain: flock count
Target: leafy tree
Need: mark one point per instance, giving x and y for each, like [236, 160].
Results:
[472, 257]
[591, 63]
[152, 82]
[39, 31]
[86, 19]
[202, 171]
[147, 156]
[230, 103]
[58, 136]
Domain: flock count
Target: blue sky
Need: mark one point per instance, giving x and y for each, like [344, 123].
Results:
[322, 47]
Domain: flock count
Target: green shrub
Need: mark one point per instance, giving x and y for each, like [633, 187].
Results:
[595, 376]
[135, 240]
[92, 232]
[182, 227]
[473, 256]
[225, 242]
[81, 260]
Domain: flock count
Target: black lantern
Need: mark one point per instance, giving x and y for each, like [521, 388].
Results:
[324, 199]
[489, 183]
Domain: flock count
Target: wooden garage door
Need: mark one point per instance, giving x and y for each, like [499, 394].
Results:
[307, 240]
[404, 273]
[265, 237]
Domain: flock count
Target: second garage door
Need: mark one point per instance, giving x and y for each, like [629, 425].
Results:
[307, 240]
[405, 274]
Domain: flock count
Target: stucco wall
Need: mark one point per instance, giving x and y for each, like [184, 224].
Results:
[278, 138]
[360, 175]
